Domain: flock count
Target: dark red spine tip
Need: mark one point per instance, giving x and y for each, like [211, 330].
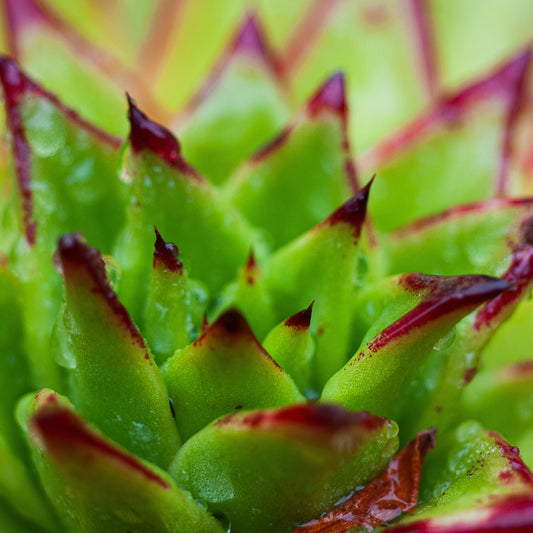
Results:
[231, 322]
[250, 38]
[302, 319]
[330, 97]
[353, 212]
[166, 254]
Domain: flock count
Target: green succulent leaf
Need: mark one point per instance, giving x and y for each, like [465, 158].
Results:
[474, 481]
[291, 345]
[382, 375]
[249, 294]
[223, 371]
[304, 173]
[176, 303]
[118, 492]
[115, 382]
[321, 265]
[242, 105]
[270, 470]
[170, 194]
[423, 166]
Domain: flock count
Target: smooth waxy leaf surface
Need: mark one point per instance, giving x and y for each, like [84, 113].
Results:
[321, 265]
[240, 107]
[304, 173]
[349, 36]
[306, 458]
[467, 239]
[224, 370]
[118, 492]
[380, 375]
[115, 382]
[428, 165]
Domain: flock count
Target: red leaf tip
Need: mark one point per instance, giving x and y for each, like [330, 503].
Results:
[353, 212]
[301, 319]
[330, 97]
[68, 438]
[148, 135]
[250, 38]
[166, 254]
[13, 80]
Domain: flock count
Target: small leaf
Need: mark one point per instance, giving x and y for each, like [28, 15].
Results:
[291, 345]
[268, 470]
[115, 383]
[175, 306]
[249, 294]
[224, 370]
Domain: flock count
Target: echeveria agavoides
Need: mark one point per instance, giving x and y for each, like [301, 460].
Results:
[266, 269]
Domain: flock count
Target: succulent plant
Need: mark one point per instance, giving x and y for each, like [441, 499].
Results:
[341, 342]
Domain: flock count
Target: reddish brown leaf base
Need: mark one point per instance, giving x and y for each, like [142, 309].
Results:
[385, 498]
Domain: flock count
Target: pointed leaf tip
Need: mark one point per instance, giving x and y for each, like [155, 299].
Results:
[13, 80]
[353, 212]
[148, 135]
[301, 319]
[330, 97]
[166, 254]
[76, 256]
[231, 322]
[441, 295]
[64, 435]
[250, 39]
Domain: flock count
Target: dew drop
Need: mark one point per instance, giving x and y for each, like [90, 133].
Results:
[446, 341]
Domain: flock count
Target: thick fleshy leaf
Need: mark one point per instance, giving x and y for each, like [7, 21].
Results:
[111, 364]
[463, 52]
[394, 492]
[304, 173]
[428, 165]
[65, 179]
[467, 239]
[239, 108]
[501, 399]
[187, 210]
[321, 265]
[462, 356]
[381, 377]
[118, 492]
[248, 293]
[350, 36]
[267, 471]
[473, 482]
[223, 371]
[291, 345]
[176, 303]
[86, 75]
